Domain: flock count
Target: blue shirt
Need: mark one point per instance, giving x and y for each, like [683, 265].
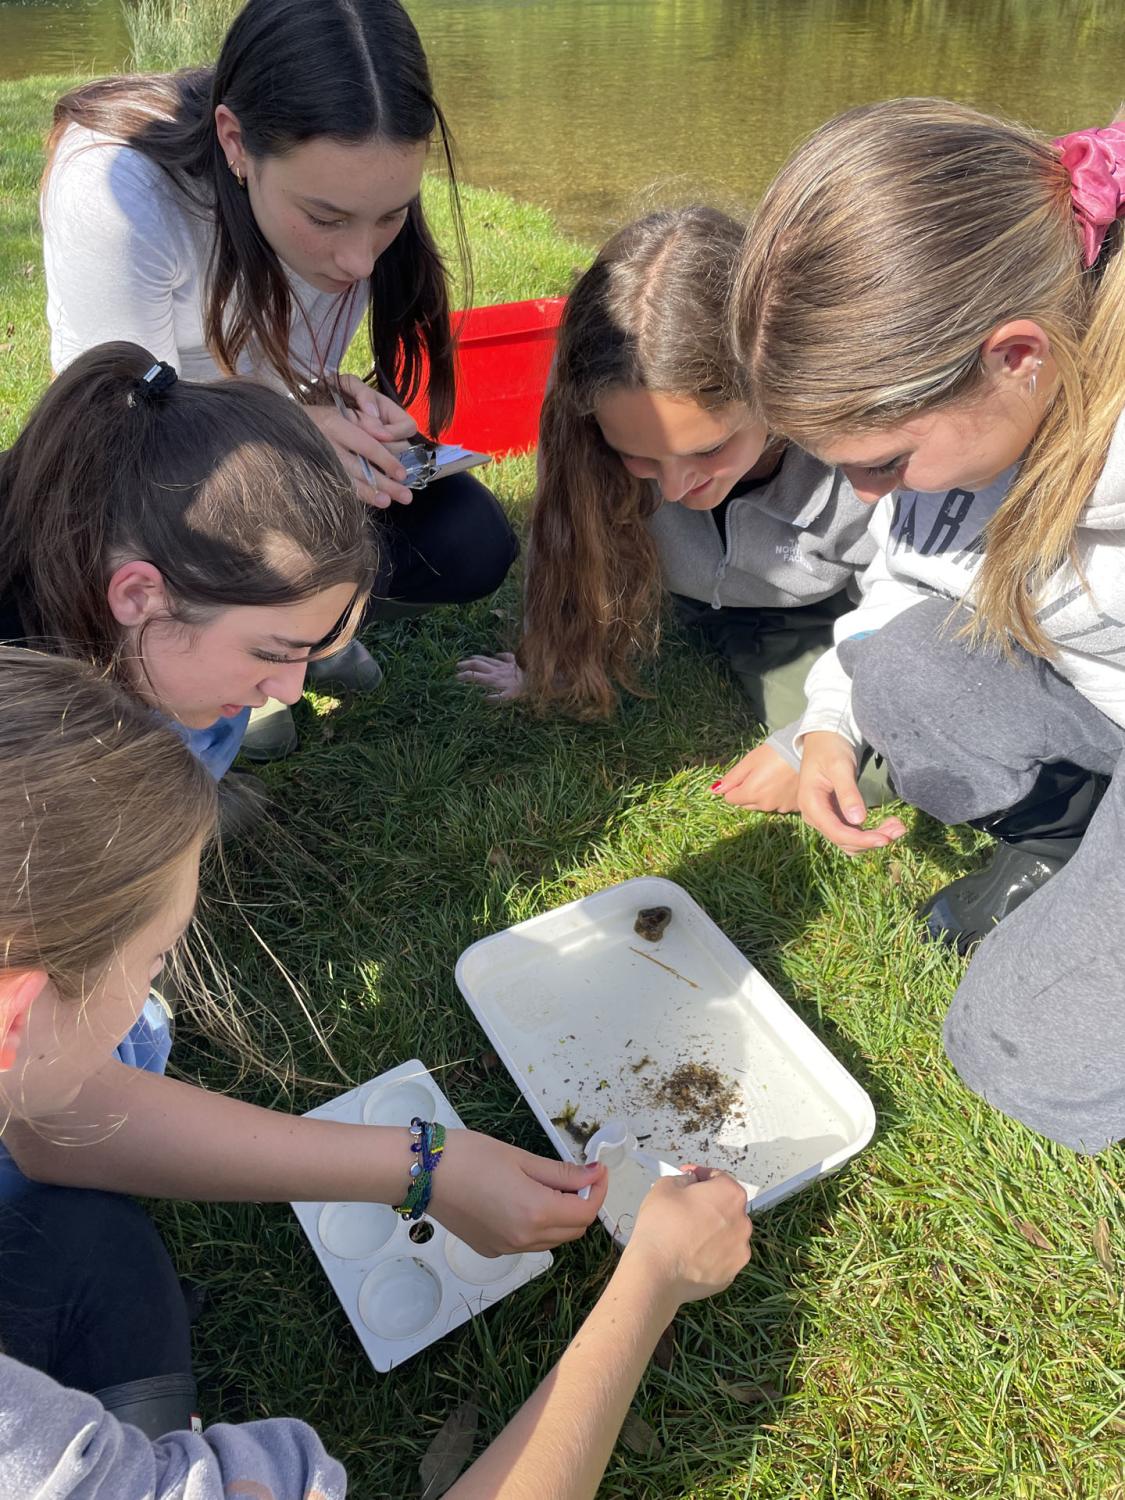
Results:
[218, 744]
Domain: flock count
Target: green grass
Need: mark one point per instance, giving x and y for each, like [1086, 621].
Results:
[168, 34]
[897, 1337]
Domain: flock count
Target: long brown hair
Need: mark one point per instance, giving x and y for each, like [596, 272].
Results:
[650, 313]
[883, 255]
[292, 71]
[226, 487]
[100, 804]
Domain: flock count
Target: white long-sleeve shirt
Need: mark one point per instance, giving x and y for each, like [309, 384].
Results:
[126, 253]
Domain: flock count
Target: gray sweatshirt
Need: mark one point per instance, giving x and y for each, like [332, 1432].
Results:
[57, 1444]
[795, 540]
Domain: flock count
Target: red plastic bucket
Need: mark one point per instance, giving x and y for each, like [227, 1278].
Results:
[503, 358]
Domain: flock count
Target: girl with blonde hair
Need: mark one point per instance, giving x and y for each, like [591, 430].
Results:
[934, 299]
[104, 815]
[657, 476]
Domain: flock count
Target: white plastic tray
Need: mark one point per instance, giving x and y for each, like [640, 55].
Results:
[402, 1295]
[589, 1018]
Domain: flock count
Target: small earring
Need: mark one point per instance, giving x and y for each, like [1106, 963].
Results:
[1033, 378]
[237, 174]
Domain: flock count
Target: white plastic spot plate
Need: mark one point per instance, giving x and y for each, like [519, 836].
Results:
[403, 1293]
[592, 1020]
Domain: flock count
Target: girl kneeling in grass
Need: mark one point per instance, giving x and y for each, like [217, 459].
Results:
[965, 347]
[103, 818]
[200, 543]
[247, 217]
[656, 475]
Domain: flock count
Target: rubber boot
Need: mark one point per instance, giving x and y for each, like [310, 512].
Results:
[353, 668]
[1036, 838]
[159, 1404]
[271, 733]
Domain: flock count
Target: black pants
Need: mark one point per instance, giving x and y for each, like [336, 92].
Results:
[452, 544]
[89, 1295]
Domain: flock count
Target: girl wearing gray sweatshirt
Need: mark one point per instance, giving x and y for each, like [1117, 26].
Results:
[657, 477]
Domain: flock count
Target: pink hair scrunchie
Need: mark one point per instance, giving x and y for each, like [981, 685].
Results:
[1095, 159]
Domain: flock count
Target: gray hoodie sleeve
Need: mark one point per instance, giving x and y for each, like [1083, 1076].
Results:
[58, 1444]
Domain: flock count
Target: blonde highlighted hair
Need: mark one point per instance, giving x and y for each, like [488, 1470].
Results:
[882, 256]
[649, 314]
[100, 803]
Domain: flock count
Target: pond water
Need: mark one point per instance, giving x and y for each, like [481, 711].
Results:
[598, 108]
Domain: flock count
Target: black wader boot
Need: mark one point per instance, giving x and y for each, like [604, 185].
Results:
[1036, 838]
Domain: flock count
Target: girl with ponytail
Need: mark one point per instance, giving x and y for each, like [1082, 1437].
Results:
[656, 476]
[202, 542]
[935, 300]
[246, 218]
[198, 543]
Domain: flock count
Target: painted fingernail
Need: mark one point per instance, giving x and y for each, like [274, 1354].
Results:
[715, 785]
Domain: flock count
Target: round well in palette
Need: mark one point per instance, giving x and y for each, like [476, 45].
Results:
[398, 1298]
[398, 1104]
[480, 1270]
[355, 1230]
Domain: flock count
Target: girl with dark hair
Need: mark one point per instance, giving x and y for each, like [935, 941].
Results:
[202, 542]
[199, 543]
[244, 218]
[656, 475]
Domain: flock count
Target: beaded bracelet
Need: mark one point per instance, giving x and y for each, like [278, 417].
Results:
[429, 1143]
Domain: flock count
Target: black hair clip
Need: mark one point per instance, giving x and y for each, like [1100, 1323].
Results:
[156, 380]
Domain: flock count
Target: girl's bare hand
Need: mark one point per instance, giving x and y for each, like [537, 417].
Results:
[373, 428]
[500, 677]
[762, 781]
[692, 1233]
[830, 799]
[503, 1201]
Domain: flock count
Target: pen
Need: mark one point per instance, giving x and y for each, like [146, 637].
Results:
[345, 411]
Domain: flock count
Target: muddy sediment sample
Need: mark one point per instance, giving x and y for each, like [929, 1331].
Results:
[699, 1094]
[652, 922]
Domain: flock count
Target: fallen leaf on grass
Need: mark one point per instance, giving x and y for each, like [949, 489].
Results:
[664, 1355]
[750, 1395]
[639, 1437]
[1102, 1248]
[449, 1452]
[489, 1060]
[1032, 1235]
